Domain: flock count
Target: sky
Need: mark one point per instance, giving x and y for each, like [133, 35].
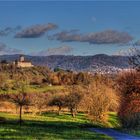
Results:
[69, 27]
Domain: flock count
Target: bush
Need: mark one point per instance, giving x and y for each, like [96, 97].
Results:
[99, 99]
[130, 120]
[129, 112]
[129, 88]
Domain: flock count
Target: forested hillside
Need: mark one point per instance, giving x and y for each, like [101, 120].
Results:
[76, 63]
[11, 77]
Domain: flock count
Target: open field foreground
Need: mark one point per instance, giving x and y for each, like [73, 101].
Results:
[47, 127]
[51, 126]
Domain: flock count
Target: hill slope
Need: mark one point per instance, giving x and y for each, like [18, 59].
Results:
[76, 63]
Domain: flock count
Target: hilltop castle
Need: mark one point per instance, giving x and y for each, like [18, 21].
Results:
[22, 62]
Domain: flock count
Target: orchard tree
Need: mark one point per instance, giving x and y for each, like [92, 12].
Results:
[59, 101]
[20, 100]
[39, 101]
[73, 99]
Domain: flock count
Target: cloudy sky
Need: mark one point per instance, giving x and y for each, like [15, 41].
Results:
[69, 28]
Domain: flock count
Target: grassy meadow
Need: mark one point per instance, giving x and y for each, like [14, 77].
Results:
[34, 89]
[49, 126]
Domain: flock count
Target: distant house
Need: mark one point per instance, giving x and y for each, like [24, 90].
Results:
[22, 62]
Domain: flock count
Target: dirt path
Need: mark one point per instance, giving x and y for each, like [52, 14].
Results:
[114, 134]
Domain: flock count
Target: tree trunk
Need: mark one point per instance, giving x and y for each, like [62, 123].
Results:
[76, 111]
[72, 112]
[59, 110]
[16, 109]
[40, 111]
[20, 115]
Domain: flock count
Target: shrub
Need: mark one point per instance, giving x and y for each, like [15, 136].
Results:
[129, 88]
[99, 99]
[129, 112]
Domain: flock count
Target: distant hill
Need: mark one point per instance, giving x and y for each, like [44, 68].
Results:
[76, 63]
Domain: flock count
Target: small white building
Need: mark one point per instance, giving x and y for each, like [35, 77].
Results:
[22, 62]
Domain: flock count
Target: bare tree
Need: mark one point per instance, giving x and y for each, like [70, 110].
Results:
[20, 99]
[134, 58]
[99, 98]
[73, 99]
[39, 101]
[58, 100]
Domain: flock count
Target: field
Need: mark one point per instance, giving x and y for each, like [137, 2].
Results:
[34, 89]
[47, 127]
[50, 126]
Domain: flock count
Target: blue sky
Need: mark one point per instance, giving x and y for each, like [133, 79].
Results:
[77, 28]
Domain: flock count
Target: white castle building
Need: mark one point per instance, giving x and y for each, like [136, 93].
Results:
[22, 62]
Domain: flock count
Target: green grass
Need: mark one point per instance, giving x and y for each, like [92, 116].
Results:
[34, 89]
[49, 126]
[42, 89]
[113, 120]
[114, 123]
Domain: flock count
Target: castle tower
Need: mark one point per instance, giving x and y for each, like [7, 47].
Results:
[21, 59]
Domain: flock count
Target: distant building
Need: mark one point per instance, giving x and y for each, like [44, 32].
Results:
[22, 62]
